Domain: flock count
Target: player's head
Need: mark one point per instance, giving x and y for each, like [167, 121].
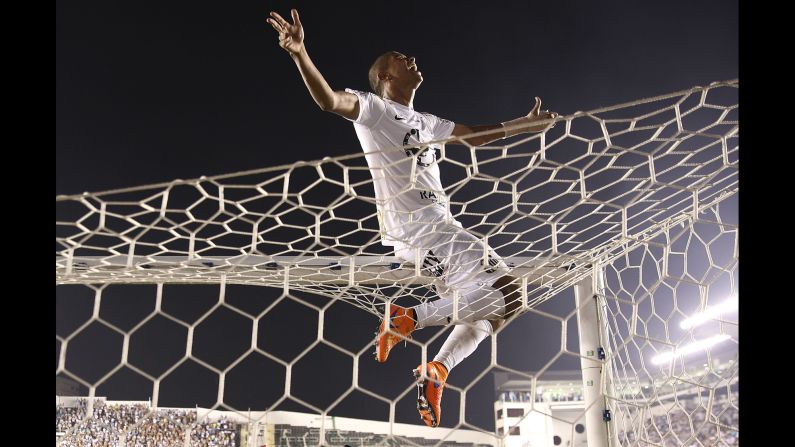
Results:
[396, 70]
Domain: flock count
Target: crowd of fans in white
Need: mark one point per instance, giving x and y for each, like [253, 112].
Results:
[550, 396]
[691, 426]
[139, 426]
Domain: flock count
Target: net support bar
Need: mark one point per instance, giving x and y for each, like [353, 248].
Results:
[599, 424]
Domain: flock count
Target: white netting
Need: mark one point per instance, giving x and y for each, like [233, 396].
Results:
[640, 189]
[652, 294]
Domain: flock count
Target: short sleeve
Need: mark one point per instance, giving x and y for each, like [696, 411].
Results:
[440, 127]
[371, 108]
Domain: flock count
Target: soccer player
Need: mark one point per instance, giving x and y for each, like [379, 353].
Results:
[417, 219]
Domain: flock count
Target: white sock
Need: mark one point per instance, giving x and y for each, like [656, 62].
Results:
[484, 303]
[462, 342]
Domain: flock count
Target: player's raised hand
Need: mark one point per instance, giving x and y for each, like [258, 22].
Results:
[536, 108]
[291, 36]
[536, 114]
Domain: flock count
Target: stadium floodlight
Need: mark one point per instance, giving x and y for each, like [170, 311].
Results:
[690, 348]
[702, 317]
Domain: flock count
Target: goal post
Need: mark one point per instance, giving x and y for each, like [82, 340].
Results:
[596, 371]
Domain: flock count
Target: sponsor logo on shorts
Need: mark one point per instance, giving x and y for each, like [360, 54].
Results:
[432, 264]
[493, 263]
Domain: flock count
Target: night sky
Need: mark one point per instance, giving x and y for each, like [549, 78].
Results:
[149, 92]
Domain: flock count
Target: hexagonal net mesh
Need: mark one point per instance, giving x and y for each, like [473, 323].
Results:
[670, 314]
[639, 198]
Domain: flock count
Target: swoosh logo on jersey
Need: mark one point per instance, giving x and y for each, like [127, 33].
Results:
[399, 118]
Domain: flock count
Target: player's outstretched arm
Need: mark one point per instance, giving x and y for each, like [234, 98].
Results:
[291, 38]
[536, 121]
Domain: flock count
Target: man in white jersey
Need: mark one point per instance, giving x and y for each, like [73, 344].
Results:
[416, 218]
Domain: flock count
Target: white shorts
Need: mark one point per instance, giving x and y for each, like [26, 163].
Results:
[455, 258]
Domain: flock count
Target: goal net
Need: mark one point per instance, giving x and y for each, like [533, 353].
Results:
[638, 200]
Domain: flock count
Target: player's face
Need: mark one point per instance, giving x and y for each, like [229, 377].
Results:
[404, 68]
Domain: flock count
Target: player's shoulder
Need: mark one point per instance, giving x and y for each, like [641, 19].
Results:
[364, 96]
[427, 116]
[357, 92]
[431, 116]
[371, 107]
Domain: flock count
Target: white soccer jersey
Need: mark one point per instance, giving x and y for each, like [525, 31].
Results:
[404, 211]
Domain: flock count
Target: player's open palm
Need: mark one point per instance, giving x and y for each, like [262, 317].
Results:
[291, 36]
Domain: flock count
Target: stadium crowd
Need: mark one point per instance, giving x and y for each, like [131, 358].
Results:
[551, 396]
[138, 426]
[689, 426]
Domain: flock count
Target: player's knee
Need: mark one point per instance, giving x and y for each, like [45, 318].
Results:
[495, 324]
[509, 286]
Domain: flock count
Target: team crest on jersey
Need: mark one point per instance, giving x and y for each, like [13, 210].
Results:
[425, 155]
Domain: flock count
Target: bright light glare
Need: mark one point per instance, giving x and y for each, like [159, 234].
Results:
[702, 317]
[690, 348]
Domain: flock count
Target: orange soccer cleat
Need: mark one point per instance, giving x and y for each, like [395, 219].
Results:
[429, 392]
[401, 325]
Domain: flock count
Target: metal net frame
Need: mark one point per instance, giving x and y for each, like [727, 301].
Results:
[641, 196]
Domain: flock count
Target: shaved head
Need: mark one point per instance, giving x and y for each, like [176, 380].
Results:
[380, 65]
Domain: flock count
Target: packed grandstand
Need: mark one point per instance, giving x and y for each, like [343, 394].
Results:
[686, 422]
